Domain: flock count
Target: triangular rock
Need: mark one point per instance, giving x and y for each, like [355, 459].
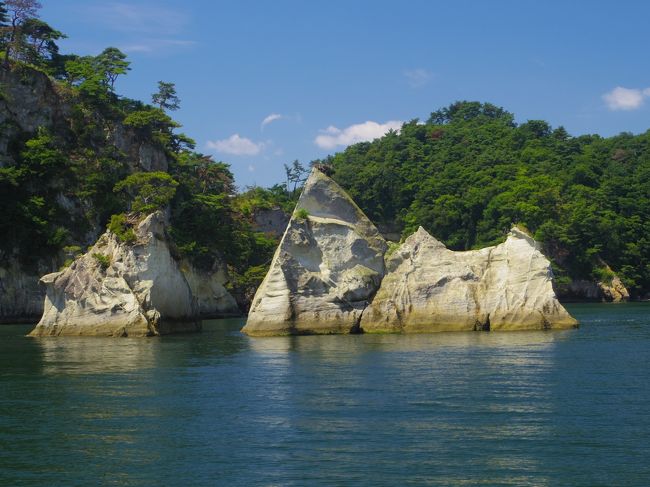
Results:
[327, 267]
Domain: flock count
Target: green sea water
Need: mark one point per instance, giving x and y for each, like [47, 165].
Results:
[219, 408]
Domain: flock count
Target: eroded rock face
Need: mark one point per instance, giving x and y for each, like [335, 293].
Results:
[327, 267]
[430, 288]
[116, 289]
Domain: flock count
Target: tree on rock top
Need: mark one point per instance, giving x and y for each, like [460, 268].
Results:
[148, 191]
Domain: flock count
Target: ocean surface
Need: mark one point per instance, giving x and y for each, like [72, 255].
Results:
[219, 408]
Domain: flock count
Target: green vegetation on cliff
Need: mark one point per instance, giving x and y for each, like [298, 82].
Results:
[470, 172]
[75, 157]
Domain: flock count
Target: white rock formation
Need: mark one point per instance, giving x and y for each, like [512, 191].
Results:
[429, 288]
[326, 272]
[327, 267]
[119, 289]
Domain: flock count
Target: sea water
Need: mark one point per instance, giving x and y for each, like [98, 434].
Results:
[219, 408]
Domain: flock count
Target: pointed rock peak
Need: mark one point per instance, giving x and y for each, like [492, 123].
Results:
[322, 197]
[153, 223]
[421, 236]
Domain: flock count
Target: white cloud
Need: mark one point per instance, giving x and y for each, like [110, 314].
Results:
[418, 77]
[271, 118]
[332, 136]
[236, 145]
[625, 98]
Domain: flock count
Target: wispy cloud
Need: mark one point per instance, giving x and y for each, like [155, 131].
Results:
[332, 137]
[143, 18]
[141, 28]
[236, 146]
[154, 45]
[626, 98]
[270, 119]
[418, 77]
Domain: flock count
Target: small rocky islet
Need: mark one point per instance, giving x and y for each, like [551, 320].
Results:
[136, 288]
[331, 273]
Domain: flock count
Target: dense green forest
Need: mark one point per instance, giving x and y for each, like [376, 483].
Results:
[470, 172]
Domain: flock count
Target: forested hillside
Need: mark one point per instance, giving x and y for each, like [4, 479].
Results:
[75, 156]
[470, 172]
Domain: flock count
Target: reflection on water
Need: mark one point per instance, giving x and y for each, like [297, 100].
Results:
[91, 355]
[406, 342]
[220, 408]
[420, 393]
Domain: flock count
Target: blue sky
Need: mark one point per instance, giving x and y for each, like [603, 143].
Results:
[263, 83]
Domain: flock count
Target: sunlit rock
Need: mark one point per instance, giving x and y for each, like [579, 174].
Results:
[126, 289]
[326, 269]
[428, 288]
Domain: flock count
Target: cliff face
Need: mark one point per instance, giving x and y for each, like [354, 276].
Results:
[21, 296]
[328, 276]
[119, 289]
[29, 101]
[327, 267]
[272, 221]
[208, 290]
[430, 288]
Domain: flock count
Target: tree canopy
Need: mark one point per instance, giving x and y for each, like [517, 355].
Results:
[470, 172]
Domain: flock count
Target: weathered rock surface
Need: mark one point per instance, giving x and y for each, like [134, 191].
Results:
[327, 267]
[208, 290]
[431, 288]
[615, 290]
[28, 100]
[119, 289]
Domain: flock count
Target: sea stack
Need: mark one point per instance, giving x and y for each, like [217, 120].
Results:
[326, 269]
[430, 288]
[128, 289]
[328, 276]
